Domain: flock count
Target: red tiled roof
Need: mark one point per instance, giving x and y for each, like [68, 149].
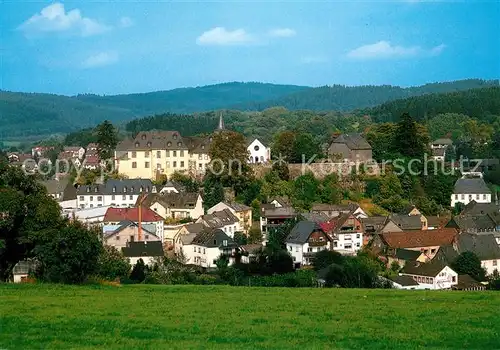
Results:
[327, 226]
[417, 239]
[131, 214]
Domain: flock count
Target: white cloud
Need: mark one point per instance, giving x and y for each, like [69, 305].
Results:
[384, 49]
[100, 59]
[126, 22]
[54, 18]
[282, 33]
[222, 36]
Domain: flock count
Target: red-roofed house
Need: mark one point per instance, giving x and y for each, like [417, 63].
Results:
[91, 162]
[346, 232]
[425, 241]
[115, 216]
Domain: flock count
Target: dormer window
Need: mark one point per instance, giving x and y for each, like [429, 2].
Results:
[132, 189]
[140, 189]
[96, 190]
[147, 189]
[88, 189]
[169, 143]
[175, 136]
[125, 189]
[137, 145]
[114, 189]
[210, 139]
[179, 144]
[215, 242]
[149, 144]
[202, 146]
[143, 136]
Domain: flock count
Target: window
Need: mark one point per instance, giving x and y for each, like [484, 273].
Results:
[167, 153]
[88, 189]
[134, 165]
[290, 248]
[175, 164]
[124, 197]
[117, 238]
[477, 196]
[169, 144]
[309, 250]
[146, 236]
[91, 198]
[125, 189]
[195, 249]
[206, 156]
[200, 157]
[168, 164]
[358, 245]
[456, 197]
[137, 145]
[149, 145]
[174, 153]
[158, 166]
[114, 189]
[131, 238]
[158, 154]
[179, 144]
[256, 148]
[113, 197]
[224, 243]
[433, 251]
[91, 205]
[131, 197]
[453, 278]
[96, 190]
[99, 198]
[296, 249]
[200, 165]
[182, 164]
[181, 153]
[143, 136]
[202, 146]
[203, 250]
[484, 196]
[146, 154]
[146, 165]
[81, 198]
[462, 196]
[175, 136]
[134, 154]
[494, 263]
[358, 236]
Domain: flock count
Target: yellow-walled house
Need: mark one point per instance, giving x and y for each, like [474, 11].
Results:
[154, 153]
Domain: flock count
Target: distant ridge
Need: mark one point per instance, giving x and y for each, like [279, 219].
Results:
[35, 114]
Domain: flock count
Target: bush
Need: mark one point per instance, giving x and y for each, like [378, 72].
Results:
[112, 264]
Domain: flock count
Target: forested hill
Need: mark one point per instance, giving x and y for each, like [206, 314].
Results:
[347, 98]
[25, 115]
[476, 103]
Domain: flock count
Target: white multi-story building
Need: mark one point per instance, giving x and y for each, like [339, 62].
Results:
[224, 220]
[468, 190]
[306, 239]
[433, 275]
[116, 193]
[259, 153]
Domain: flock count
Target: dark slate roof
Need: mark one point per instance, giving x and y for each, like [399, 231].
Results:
[155, 140]
[407, 254]
[404, 281]
[318, 217]
[434, 221]
[143, 249]
[198, 144]
[194, 227]
[251, 248]
[179, 187]
[353, 141]
[24, 267]
[467, 282]
[127, 223]
[484, 246]
[280, 212]
[475, 208]
[377, 222]
[301, 232]
[283, 201]
[442, 141]
[474, 223]
[118, 187]
[406, 222]
[471, 186]
[430, 269]
[237, 206]
[212, 238]
[219, 219]
[184, 200]
[55, 186]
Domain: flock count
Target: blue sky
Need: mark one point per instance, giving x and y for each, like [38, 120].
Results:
[121, 47]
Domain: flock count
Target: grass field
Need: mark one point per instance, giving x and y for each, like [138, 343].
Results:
[220, 317]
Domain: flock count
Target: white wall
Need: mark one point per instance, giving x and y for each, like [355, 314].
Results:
[466, 198]
[263, 154]
[491, 265]
[199, 255]
[444, 279]
[93, 200]
[148, 260]
[297, 252]
[348, 242]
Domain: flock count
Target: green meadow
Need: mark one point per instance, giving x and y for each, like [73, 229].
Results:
[224, 317]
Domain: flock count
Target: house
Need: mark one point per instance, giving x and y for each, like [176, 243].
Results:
[185, 236]
[172, 186]
[176, 206]
[224, 220]
[334, 210]
[424, 241]
[306, 239]
[476, 223]
[401, 222]
[404, 282]
[403, 256]
[147, 251]
[350, 148]
[75, 152]
[346, 233]
[117, 193]
[272, 217]
[467, 190]
[484, 246]
[207, 246]
[432, 275]
[154, 153]
[22, 270]
[128, 231]
[249, 252]
[148, 216]
[475, 208]
[259, 153]
[438, 148]
[56, 187]
[92, 162]
[467, 283]
[242, 212]
[373, 225]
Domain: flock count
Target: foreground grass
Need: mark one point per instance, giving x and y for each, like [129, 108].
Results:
[222, 317]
